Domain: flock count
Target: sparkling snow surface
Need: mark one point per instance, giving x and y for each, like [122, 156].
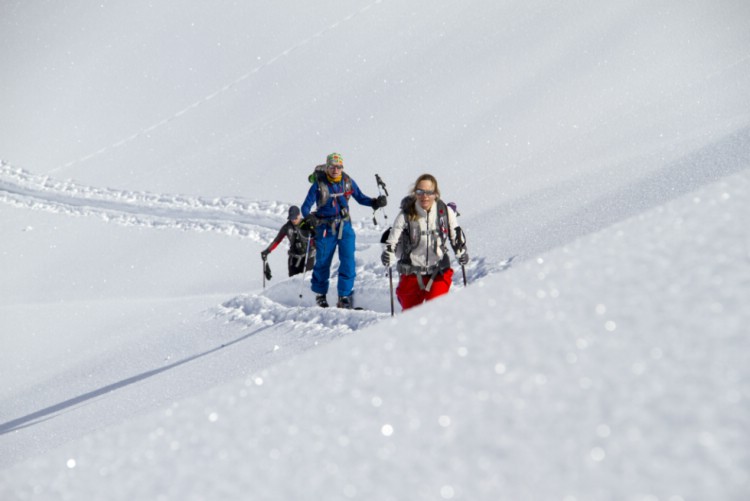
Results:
[151, 151]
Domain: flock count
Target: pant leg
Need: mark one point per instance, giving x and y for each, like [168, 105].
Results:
[296, 265]
[441, 285]
[347, 263]
[408, 292]
[325, 244]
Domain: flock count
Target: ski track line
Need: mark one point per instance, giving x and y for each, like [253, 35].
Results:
[259, 221]
[216, 93]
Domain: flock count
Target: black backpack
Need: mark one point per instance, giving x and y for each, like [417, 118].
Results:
[298, 237]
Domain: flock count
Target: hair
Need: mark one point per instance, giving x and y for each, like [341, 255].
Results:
[411, 207]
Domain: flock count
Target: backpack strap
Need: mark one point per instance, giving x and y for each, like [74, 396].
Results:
[443, 225]
[443, 231]
[324, 193]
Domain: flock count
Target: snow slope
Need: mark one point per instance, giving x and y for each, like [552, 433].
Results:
[612, 367]
[152, 150]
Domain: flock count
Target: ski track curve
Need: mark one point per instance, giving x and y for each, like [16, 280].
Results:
[232, 216]
[256, 220]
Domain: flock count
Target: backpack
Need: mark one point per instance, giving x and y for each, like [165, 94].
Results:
[298, 238]
[319, 176]
[405, 241]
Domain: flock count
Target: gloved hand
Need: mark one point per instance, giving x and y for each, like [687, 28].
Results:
[379, 202]
[388, 258]
[312, 220]
[264, 254]
[463, 258]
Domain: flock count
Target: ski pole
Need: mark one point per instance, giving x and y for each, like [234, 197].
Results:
[381, 186]
[264, 273]
[383, 240]
[390, 280]
[304, 272]
[461, 244]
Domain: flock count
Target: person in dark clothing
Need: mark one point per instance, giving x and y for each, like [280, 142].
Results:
[300, 235]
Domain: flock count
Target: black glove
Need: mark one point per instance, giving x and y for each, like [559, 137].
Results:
[312, 220]
[264, 254]
[379, 202]
[463, 258]
[388, 258]
[267, 271]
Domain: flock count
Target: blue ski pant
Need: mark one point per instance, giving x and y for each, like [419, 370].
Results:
[326, 242]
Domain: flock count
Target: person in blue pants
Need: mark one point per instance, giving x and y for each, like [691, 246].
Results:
[330, 192]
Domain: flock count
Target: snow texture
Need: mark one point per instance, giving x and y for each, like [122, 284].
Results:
[598, 154]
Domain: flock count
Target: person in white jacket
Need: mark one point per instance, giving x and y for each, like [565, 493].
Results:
[419, 237]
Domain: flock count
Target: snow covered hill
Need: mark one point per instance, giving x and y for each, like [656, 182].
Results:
[613, 367]
[151, 150]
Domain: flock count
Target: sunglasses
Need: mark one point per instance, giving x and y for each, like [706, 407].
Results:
[421, 193]
[336, 167]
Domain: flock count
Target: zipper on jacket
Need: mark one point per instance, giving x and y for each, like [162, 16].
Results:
[427, 246]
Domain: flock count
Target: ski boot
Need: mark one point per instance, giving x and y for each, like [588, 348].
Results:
[320, 300]
[345, 302]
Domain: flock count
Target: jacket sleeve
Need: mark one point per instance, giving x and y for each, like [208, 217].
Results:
[359, 196]
[279, 237]
[310, 199]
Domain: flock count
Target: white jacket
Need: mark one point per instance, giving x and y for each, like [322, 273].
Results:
[427, 251]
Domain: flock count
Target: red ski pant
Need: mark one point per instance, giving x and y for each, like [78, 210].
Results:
[409, 293]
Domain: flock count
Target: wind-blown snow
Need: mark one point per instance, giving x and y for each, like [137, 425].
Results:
[152, 150]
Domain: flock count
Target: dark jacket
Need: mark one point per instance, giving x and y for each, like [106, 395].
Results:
[297, 236]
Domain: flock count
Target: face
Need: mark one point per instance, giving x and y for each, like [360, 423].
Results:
[297, 220]
[334, 170]
[425, 194]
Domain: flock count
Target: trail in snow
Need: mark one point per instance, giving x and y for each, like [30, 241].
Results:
[234, 216]
[230, 215]
[289, 301]
[286, 300]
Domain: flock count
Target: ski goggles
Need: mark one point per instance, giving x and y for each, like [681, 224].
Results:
[421, 193]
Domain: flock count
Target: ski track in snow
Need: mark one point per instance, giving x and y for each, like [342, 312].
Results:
[235, 217]
[258, 221]
[262, 311]
[284, 304]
